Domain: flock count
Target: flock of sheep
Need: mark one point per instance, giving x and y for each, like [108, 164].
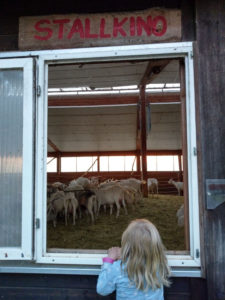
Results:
[89, 195]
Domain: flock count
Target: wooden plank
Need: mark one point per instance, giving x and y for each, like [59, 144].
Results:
[115, 153]
[63, 287]
[155, 25]
[210, 24]
[180, 168]
[58, 163]
[188, 20]
[110, 100]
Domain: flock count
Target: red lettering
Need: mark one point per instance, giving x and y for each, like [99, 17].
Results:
[61, 25]
[159, 26]
[147, 26]
[117, 27]
[87, 30]
[102, 30]
[44, 29]
[77, 27]
[132, 26]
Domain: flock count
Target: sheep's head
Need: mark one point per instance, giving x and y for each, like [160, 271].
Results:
[170, 181]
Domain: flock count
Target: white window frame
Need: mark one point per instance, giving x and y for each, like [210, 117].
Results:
[110, 54]
[25, 251]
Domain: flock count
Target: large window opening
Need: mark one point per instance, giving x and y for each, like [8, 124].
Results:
[112, 122]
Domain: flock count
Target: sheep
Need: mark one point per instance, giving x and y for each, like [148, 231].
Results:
[133, 182]
[82, 181]
[131, 197]
[94, 181]
[111, 195]
[178, 184]
[59, 185]
[55, 206]
[70, 204]
[60, 202]
[53, 188]
[152, 184]
[87, 199]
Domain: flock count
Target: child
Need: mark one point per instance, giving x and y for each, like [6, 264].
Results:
[139, 269]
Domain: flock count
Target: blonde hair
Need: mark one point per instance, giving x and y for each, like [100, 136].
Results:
[142, 253]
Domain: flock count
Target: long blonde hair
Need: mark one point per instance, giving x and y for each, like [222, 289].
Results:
[142, 253]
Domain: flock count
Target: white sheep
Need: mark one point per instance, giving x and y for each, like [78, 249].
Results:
[178, 185]
[59, 202]
[152, 184]
[110, 195]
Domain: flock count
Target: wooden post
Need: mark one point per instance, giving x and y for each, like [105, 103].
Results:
[98, 166]
[143, 139]
[58, 163]
[138, 163]
[180, 168]
[184, 151]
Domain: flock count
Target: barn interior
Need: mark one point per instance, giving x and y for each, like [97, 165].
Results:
[118, 120]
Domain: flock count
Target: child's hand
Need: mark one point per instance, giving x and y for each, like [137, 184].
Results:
[114, 253]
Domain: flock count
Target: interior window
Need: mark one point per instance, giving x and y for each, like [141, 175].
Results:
[95, 120]
[51, 164]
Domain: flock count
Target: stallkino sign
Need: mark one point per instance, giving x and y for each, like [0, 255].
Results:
[73, 31]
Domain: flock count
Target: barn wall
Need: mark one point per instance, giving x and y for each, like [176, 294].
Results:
[93, 129]
[210, 59]
[165, 130]
[113, 128]
[64, 287]
[209, 30]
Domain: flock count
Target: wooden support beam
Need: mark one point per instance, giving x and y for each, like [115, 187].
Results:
[111, 100]
[98, 164]
[154, 67]
[143, 140]
[138, 163]
[180, 168]
[138, 132]
[184, 150]
[115, 153]
[54, 147]
[94, 153]
[59, 163]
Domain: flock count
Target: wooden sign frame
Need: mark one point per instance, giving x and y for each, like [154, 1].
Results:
[92, 30]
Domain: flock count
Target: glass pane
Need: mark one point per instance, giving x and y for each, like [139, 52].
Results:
[151, 163]
[116, 163]
[86, 164]
[130, 161]
[11, 160]
[51, 164]
[175, 163]
[68, 164]
[104, 163]
[165, 163]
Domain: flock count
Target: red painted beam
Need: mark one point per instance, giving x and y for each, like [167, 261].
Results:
[111, 100]
[115, 153]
